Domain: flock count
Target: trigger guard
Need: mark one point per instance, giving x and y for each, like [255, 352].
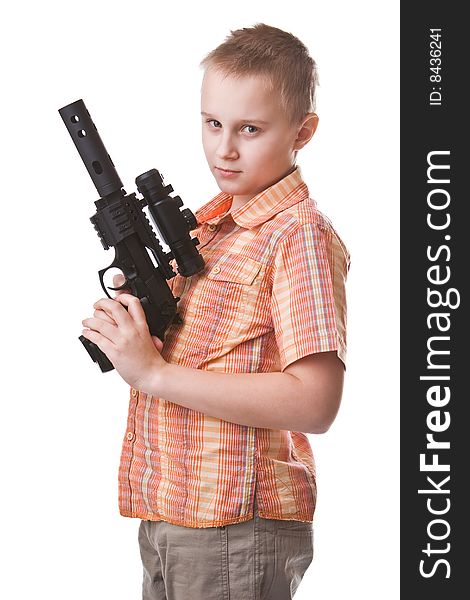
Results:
[121, 287]
[115, 289]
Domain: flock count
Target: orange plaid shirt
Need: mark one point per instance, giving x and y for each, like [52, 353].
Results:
[272, 292]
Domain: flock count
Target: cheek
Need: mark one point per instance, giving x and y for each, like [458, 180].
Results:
[206, 143]
[264, 154]
[257, 151]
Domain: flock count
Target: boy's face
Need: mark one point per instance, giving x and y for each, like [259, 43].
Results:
[248, 140]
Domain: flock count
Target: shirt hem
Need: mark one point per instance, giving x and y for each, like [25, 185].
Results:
[214, 523]
[292, 353]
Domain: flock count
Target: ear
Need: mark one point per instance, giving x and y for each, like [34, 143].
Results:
[306, 130]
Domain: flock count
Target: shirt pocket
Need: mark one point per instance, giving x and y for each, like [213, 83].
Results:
[232, 284]
[234, 268]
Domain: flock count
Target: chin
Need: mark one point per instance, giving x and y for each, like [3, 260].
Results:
[229, 187]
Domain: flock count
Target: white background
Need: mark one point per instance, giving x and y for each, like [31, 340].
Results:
[136, 67]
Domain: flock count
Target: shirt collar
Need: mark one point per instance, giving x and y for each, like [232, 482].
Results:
[285, 193]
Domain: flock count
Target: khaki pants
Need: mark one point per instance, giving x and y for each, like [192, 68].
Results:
[260, 559]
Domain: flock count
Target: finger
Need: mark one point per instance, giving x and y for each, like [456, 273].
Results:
[134, 308]
[115, 310]
[103, 343]
[119, 280]
[158, 343]
[100, 314]
[104, 328]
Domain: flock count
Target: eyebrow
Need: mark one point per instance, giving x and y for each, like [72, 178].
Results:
[260, 121]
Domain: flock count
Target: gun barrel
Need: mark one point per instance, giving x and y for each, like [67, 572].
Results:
[87, 140]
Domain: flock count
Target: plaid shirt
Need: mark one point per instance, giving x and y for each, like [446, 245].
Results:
[272, 292]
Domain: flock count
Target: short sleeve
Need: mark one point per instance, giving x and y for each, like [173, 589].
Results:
[308, 298]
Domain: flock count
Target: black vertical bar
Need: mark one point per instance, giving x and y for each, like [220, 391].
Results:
[90, 146]
[435, 320]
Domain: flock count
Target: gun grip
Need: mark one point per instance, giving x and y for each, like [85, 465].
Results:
[97, 355]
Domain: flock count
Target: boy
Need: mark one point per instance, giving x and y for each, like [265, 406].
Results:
[213, 460]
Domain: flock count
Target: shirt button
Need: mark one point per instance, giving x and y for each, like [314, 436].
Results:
[216, 270]
[130, 436]
[134, 393]
[212, 227]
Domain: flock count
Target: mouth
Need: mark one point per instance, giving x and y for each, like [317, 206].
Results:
[227, 171]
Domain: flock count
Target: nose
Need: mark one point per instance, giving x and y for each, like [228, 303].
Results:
[226, 149]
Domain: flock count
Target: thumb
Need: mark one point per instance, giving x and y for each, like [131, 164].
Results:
[118, 280]
[158, 343]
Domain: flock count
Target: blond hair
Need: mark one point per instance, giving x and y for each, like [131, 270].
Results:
[281, 58]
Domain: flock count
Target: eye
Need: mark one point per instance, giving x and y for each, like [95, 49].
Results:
[214, 123]
[250, 128]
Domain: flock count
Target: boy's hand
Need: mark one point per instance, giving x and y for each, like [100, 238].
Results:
[123, 335]
[101, 314]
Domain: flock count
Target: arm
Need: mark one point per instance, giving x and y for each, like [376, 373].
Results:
[305, 397]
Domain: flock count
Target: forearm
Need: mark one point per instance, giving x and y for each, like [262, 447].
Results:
[271, 400]
[305, 397]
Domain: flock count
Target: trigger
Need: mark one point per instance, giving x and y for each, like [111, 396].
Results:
[121, 287]
[114, 274]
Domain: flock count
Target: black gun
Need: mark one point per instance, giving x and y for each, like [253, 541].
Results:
[121, 223]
